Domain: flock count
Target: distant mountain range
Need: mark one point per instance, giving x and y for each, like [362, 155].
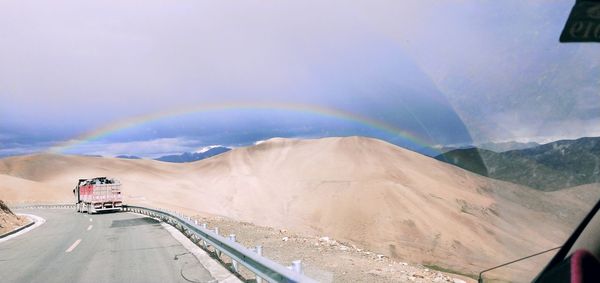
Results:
[494, 146]
[548, 167]
[506, 146]
[128, 157]
[194, 156]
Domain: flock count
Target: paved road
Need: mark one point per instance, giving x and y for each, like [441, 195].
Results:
[114, 247]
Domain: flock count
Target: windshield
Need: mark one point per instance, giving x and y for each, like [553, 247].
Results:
[386, 141]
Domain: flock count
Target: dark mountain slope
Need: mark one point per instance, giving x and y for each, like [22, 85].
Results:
[552, 166]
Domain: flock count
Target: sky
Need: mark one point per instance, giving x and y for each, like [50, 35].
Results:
[150, 78]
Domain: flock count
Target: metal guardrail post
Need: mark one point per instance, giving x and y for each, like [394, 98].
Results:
[297, 266]
[205, 226]
[216, 250]
[234, 263]
[258, 250]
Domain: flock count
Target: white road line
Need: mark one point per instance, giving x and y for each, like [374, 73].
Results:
[90, 227]
[90, 220]
[73, 246]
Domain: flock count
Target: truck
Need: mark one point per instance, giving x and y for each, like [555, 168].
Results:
[98, 194]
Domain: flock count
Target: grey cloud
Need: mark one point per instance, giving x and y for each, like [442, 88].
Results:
[72, 66]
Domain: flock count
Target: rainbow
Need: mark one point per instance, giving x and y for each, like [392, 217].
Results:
[130, 122]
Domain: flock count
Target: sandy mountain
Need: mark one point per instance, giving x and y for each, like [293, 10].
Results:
[360, 190]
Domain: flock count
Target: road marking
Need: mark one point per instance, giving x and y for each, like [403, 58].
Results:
[90, 227]
[90, 220]
[73, 246]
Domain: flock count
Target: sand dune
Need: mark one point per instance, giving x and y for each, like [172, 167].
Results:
[361, 190]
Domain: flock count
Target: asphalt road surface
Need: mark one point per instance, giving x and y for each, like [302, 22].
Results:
[111, 247]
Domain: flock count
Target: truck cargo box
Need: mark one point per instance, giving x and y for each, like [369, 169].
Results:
[98, 194]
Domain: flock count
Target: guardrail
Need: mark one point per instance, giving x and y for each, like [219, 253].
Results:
[261, 266]
[24, 206]
[252, 259]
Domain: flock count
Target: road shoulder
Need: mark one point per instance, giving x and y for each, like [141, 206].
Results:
[36, 220]
[216, 270]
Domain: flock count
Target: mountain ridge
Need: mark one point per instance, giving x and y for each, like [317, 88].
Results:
[551, 166]
[403, 204]
[193, 156]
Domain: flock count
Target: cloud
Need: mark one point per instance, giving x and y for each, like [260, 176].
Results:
[71, 67]
[6, 137]
[20, 149]
[128, 60]
[147, 148]
[511, 127]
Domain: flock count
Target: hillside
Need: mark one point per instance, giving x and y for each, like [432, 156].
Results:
[548, 167]
[360, 190]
